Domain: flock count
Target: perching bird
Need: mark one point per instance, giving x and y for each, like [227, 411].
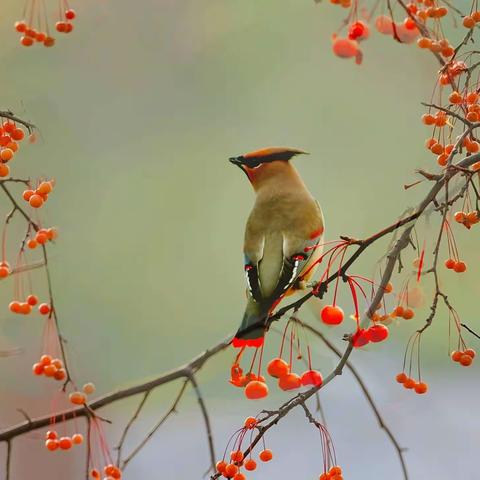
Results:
[282, 236]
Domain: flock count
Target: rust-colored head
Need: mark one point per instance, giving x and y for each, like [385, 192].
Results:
[253, 163]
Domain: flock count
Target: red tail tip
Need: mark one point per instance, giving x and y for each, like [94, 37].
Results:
[247, 342]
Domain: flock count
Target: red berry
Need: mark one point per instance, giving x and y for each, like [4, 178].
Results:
[312, 377]
[70, 14]
[377, 333]
[360, 338]
[290, 382]
[255, 390]
[266, 455]
[44, 309]
[278, 368]
[332, 315]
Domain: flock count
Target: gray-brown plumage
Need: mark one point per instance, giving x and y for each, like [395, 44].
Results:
[282, 236]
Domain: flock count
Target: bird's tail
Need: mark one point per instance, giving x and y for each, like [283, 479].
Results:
[253, 326]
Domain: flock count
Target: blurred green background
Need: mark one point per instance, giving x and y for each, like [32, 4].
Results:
[138, 110]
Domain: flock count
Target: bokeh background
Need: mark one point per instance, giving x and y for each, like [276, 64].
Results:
[138, 110]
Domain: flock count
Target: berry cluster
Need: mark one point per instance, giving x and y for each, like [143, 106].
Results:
[10, 135]
[467, 219]
[30, 35]
[42, 236]
[25, 308]
[335, 473]
[34, 27]
[50, 367]
[111, 472]
[463, 357]
[411, 384]
[66, 25]
[52, 442]
[36, 198]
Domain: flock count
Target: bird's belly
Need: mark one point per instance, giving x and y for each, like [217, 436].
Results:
[271, 264]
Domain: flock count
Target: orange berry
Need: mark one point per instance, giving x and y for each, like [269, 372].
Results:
[460, 267]
[468, 22]
[335, 470]
[27, 194]
[49, 370]
[409, 383]
[88, 388]
[4, 170]
[77, 438]
[4, 272]
[256, 390]
[6, 154]
[388, 288]
[424, 42]
[472, 116]
[312, 377]
[32, 243]
[18, 134]
[473, 147]
[65, 443]
[14, 306]
[44, 188]
[455, 98]
[450, 263]
[456, 355]
[37, 369]
[44, 309]
[428, 119]
[51, 435]
[266, 455]
[236, 456]
[250, 422]
[437, 148]
[48, 42]
[61, 26]
[52, 233]
[332, 315]
[26, 41]
[430, 142]
[239, 476]
[57, 363]
[12, 146]
[278, 367]
[25, 308]
[70, 14]
[94, 473]
[20, 27]
[459, 217]
[35, 201]
[52, 444]
[470, 352]
[442, 159]
[466, 360]
[250, 465]
[45, 360]
[60, 374]
[290, 382]
[220, 466]
[472, 218]
[41, 238]
[77, 398]
[230, 470]
[401, 377]
[399, 311]
[421, 388]
[408, 314]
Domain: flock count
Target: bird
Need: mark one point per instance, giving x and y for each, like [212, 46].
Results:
[283, 235]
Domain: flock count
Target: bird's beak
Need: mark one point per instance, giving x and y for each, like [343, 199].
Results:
[236, 161]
